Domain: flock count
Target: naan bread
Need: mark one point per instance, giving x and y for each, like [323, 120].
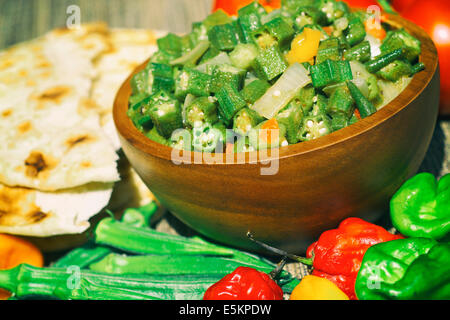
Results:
[52, 138]
[128, 48]
[58, 162]
[35, 213]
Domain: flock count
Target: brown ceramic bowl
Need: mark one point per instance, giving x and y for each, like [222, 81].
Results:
[351, 172]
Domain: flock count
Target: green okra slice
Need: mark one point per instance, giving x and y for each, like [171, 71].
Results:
[224, 37]
[191, 81]
[365, 107]
[248, 24]
[154, 135]
[171, 44]
[305, 98]
[400, 39]
[218, 17]
[291, 117]
[230, 102]
[341, 102]
[202, 110]
[226, 74]
[330, 72]
[165, 113]
[270, 63]
[383, 60]
[253, 8]
[254, 90]
[339, 121]
[360, 52]
[395, 70]
[280, 30]
[206, 138]
[307, 15]
[246, 119]
[355, 32]
[258, 139]
[314, 126]
[243, 55]
[328, 49]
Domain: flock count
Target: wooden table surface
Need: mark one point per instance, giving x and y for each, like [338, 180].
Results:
[22, 20]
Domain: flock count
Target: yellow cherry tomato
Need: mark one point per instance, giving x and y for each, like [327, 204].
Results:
[304, 47]
[316, 288]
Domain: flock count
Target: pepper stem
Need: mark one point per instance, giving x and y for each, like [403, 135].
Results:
[303, 260]
[275, 272]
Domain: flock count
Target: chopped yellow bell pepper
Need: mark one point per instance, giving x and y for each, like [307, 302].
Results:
[316, 288]
[304, 47]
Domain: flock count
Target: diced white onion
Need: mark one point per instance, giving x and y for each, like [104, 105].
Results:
[293, 79]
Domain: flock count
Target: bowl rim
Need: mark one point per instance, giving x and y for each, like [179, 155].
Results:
[419, 82]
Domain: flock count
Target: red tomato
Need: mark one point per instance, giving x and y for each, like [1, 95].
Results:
[361, 3]
[232, 6]
[434, 18]
[402, 5]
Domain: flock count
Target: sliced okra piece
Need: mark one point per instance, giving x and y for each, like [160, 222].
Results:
[269, 63]
[165, 113]
[243, 55]
[330, 72]
[329, 49]
[248, 24]
[161, 56]
[224, 37]
[261, 139]
[246, 119]
[395, 70]
[140, 83]
[308, 15]
[154, 135]
[209, 54]
[223, 73]
[230, 102]
[314, 127]
[191, 81]
[341, 103]
[181, 139]
[206, 138]
[400, 39]
[280, 30]
[160, 76]
[355, 32]
[171, 44]
[291, 117]
[202, 110]
[320, 105]
[332, 9]
[218, 17]
[339, 121]
[383, 60]
[305, 98]
[253, 8]
[360, 52]
[365, 107]
[254, 90]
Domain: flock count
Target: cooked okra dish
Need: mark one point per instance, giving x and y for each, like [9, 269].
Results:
[305, 70]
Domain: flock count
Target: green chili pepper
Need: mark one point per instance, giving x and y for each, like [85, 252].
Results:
[421, 207]
[412, 268]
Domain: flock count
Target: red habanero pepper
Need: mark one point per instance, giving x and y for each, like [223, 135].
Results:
[244, 283]
[338, 253]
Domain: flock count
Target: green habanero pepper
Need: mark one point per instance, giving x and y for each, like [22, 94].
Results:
[412, 268]
[421, 207]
